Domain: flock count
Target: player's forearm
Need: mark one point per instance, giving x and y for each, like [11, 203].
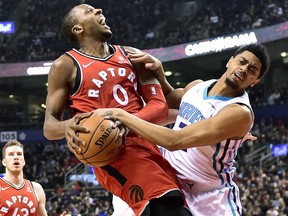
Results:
[171, 118]
[155, 134]
[156, 109]
[54, 129]
[160, 75]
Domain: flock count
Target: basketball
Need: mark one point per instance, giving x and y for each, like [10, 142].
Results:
[102, 143]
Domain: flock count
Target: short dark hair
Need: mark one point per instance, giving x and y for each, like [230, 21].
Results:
[261, 52]
[67, 24]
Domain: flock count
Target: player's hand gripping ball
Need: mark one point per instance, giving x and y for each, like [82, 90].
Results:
[102, 143]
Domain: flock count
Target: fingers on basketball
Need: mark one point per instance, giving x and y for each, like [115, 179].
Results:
[102, 143]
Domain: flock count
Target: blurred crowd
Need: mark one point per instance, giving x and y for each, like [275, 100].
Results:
[261, 96]
[142, 24]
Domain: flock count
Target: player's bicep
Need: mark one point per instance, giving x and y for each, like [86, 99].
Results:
[58, 89]
[174, 98]
[232, 122]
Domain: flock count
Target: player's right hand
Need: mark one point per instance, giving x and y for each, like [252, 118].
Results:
[108, 114]
[72, 128]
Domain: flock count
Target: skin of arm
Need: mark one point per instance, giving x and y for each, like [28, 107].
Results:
[42, 199]
[173, 96]
[206, 132]
[172, 114]
[152, 64]
[60, 81]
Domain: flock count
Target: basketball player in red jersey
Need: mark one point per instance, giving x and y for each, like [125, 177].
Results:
[19, 196]
[99, 75]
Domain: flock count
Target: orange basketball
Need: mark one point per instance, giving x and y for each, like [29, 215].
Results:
[102, 143]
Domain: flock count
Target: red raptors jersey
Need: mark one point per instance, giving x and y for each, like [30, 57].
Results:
[112, 83]
[20, 201]
[104, 82]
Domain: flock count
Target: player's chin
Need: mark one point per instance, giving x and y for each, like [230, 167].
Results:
[108, 34]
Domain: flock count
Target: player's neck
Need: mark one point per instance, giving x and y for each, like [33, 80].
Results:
[99, 50]
[14, 178]
[221, 89]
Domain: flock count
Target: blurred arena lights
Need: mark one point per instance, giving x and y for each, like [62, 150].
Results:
[41, 70]
[283, 54]
[168, 73]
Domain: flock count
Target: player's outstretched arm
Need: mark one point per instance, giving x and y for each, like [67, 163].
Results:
[203, 133]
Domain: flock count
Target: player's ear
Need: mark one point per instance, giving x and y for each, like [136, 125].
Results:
[228, 63]
[4, 162]
[77, 29]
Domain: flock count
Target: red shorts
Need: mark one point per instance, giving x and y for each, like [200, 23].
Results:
[138, 175]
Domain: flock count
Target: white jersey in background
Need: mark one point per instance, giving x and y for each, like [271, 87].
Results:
[206, 173]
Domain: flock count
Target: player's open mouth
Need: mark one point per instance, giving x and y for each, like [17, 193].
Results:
[238, 76]
[102, 20]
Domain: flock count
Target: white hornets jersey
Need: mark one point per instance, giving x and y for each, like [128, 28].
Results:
[208, 167]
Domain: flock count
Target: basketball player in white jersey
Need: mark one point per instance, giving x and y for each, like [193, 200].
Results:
[213, 118]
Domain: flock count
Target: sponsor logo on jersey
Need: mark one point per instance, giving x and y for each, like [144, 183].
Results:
[3, 189]
[87, 65]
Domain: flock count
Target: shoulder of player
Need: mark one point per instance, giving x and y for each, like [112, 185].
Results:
[64, 65]
[37, 186]
[63, 62]
[192, 84]
[38, 190]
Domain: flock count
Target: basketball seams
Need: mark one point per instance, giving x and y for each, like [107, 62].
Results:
[82, 154]
[103, 161]
[91, 137]
[110, 144]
